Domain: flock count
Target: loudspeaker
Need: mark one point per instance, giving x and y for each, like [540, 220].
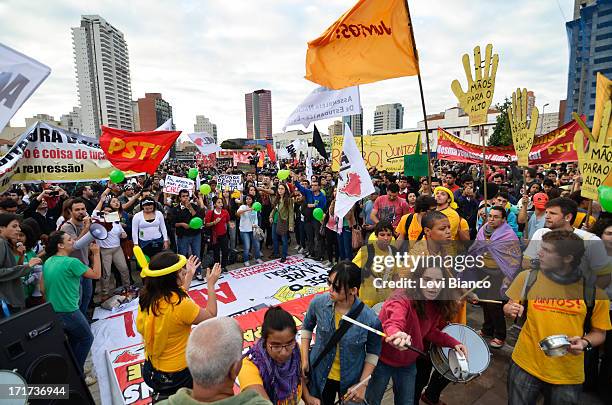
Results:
[33, 344]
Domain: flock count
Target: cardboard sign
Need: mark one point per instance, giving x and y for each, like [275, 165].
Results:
[174, 184]
[476, 100]
[229, 182]
[522, 132]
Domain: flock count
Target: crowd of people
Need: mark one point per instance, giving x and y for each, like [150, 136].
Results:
[535, 233]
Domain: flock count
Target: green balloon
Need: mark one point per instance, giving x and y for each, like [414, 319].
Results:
[196, 223]
[192, 173]
[256, 206]
[205, 189]
[117, 176]
[283, 174]
[318, 214]
[605, 197]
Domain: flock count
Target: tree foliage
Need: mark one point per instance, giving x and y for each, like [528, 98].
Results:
[502, 135]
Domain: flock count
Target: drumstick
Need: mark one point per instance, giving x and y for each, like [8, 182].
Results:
[365, 380]
[366, 327]
[490, 301]
[472, 289]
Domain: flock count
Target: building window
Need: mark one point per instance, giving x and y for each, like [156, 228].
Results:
[604, 24]
[602, 60]
[603, 36]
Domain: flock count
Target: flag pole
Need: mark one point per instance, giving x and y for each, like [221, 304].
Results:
[422, 97]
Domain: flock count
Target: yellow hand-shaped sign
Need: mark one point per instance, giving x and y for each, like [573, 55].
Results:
[522, 132]
[476, 100]
[596, 161]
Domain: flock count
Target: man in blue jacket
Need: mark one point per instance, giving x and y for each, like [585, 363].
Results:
[314, 199]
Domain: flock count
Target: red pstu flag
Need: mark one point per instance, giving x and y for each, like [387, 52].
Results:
[136, 151]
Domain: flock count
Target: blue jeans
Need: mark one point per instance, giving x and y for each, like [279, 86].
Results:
[86, 294]
[189, 245]
[247, 241]
[345, 243]
[403, 384]
[285, 239]
[79, 335]
[524, 389]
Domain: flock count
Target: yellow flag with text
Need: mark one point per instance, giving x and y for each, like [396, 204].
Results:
[370, 42]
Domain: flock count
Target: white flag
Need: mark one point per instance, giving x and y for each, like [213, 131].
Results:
[206, 144]
[309, 167]
[324, 103]
[20, 76]
[354, 181]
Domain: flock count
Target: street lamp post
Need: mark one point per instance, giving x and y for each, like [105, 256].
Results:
[542, 123]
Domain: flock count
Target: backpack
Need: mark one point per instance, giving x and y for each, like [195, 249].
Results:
[366, 270]
[408, 222]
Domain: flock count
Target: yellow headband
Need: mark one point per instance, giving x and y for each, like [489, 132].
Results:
[146, 272]
[451, 196]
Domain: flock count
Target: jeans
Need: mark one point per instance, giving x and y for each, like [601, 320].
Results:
[331, 245]
[300, 234]
[524, 389]
[285, 239]
[345, 243]
[403, 384]
[79, 335]
[313, 239]
[189, 245]
[231, 231]
[330, 392]
[86, 294]
[220, 250]
[494, 320]
[247, 240]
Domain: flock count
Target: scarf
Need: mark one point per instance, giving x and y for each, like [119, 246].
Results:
[279, 380]
[501, 243]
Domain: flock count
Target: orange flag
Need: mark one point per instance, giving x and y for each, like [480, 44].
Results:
[370, 42]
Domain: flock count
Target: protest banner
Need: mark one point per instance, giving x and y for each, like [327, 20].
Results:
[239, 292]
[596, 159]
[20, 76]
[555, 147]
[375, 36]
[324, 103]
[522, 133]
[385, 152]
[477, 98]
[174, 184]
[206, 160]
[229, 182]
[51, 154]
[138, 151]
[204, 142]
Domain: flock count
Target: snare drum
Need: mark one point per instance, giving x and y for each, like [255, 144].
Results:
[447, 363]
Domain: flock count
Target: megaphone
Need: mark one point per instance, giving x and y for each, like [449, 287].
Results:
[99, 230]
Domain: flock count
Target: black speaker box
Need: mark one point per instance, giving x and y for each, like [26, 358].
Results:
[33, 344]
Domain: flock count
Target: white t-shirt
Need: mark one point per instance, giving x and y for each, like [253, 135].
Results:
[247, 219]
[595, 261]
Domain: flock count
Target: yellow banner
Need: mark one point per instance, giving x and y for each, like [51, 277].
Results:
[368, 43]
[385, 152]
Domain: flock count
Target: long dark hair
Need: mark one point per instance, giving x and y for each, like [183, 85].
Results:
[445, 303]
[348, 275]
[284, 202]
[160, 288]
[277, 319]
[55, 238]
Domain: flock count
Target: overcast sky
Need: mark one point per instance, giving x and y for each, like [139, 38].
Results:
[203, 56]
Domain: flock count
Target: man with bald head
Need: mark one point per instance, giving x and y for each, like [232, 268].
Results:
[214, 358]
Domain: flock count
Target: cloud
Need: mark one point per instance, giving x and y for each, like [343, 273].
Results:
[204, 56]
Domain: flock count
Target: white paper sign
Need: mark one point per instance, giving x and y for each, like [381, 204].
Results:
[229, 182]
[174, 184]
[20, 76]
[324, 103]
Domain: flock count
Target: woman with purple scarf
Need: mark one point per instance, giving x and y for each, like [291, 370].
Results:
[501, 255]
[272, 367]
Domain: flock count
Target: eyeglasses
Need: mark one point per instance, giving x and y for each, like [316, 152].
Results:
[279, 348]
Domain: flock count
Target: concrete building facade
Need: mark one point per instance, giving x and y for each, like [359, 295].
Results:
[258, 108]
[388, 117]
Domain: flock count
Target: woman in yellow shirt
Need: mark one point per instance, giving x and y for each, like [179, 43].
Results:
[273, 366]
[165, 316]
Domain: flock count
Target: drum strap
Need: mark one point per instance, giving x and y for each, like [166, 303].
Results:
[588, 296]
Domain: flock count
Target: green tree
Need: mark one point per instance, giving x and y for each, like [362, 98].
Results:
[502, 135]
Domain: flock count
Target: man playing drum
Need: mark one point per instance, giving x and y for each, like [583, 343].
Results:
[558, 304]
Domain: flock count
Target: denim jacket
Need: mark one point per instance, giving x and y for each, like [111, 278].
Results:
[354, 345]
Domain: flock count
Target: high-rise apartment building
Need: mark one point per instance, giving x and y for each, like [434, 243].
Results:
[355, 122]
[335, 129]
[103, 75]
[203, 124]
[153, 111]
[388, 117]
[530, 103]
[590, 40]
[258, 106]
[72, 120]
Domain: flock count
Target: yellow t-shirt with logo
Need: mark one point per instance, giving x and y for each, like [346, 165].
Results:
[414, 230]
[554, 315]
[334, 373]
[249, 375]
[165, 335]
[369, 294]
